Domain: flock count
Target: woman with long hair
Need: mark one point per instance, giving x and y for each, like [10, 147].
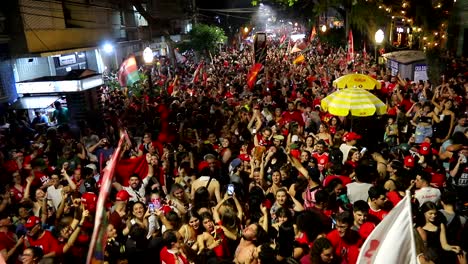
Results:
[213, 237]
[322, 252]
[32, 255]
[191, 228]
[275, 182]
[283, 243]
[201, 201]
[283, 199]
[179, 199]
[432, 230]
[138, 216]
[324, 134]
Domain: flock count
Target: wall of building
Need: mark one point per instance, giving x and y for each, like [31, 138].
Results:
[30, 68]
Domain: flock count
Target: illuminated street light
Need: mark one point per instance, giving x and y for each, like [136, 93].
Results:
[246, 30]
[379, 37]
[108, 48]
[323, 28]
[148, 55]
[148, 58]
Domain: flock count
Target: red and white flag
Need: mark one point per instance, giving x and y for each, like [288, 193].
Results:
[350, 54]
[392, 241]
[197, 73]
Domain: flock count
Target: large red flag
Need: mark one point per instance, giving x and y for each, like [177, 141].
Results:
[252, 76]
[350, 55]
[98, 238]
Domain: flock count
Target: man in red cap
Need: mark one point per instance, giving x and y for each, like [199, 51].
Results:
[117, 217]
[38, 237]
[350, 140]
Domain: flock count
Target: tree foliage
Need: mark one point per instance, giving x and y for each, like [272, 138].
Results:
[204, 38]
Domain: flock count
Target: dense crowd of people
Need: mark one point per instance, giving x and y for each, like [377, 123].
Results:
[217, 172]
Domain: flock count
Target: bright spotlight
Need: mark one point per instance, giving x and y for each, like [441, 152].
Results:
[323, 28]
[108, 48]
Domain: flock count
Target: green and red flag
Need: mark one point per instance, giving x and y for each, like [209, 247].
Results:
[252, 76]
[128, 72]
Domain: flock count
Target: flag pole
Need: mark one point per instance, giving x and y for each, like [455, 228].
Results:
[413, 241]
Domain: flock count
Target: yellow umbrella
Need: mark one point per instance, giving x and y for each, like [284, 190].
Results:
[356, 80]
[354, 101]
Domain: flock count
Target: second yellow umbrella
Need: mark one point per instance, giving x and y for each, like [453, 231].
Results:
[356, 80]
[353, 101]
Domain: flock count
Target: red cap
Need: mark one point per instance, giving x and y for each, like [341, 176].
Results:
[89, 200]
[425, 148]
[122, 195]
[351, 136]
[32, 221]
[244, 157]
[409, 161]
[295, 153]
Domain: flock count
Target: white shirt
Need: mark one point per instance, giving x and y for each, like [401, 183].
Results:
[358, 191]
[55, 195]
[138, 195]
[427, 194]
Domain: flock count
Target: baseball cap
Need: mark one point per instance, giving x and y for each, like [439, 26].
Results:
[244, 157]
[234, 164]
[409, 161]
[425, 148]
[278, 137]
[32, 221]
[122, 195]
[92, 166]
[209, 156]
[351, 136]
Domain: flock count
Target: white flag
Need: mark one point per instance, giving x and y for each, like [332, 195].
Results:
[392, 241]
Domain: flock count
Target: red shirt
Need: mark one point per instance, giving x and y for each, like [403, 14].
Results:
[322, 159]
[167, 257]
[46, 241]
[376, 216]
[295, 116]
[7, 240]
[347, 250]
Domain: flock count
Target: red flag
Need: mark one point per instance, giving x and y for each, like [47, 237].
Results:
[128, 72]
[127, 167]
[364, 52]
[252, 76]
[197, 72]
[205, 78]
[98, 239]
[170, 88]
[350, 55]
[312, 34]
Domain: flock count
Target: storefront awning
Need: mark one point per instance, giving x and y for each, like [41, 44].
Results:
[74, 81]
[34, 102]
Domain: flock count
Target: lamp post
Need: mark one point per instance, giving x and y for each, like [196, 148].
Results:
[379, 37]
[148, 58]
